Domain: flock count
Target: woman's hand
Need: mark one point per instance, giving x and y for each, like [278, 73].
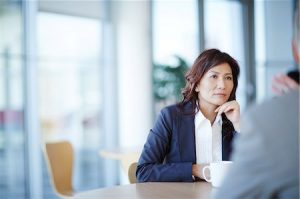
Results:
[197, 170]
[232, 112]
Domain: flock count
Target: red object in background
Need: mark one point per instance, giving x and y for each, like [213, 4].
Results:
[11, 117]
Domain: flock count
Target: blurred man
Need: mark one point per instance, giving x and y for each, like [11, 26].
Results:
[266, 156]
[282, 83]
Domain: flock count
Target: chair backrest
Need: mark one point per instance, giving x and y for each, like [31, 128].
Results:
[59, 157]
[132, 173]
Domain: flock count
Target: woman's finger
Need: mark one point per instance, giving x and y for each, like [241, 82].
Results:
[230, 108]
[222, 108]
[217, 109]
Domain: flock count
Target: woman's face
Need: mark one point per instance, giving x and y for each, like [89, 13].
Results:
[216, 85]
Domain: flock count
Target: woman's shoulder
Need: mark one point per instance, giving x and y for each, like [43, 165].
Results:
[178, 108]
[170, 109]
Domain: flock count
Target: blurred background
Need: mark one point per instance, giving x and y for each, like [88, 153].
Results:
[96, 73]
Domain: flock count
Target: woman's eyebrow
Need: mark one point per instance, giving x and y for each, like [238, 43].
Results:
[219, 73]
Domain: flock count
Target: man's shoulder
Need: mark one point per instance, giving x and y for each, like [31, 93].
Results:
[274, 116]
[277, 105]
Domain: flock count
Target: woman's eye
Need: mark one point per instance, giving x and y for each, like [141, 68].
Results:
[229, 78]
[214, 76]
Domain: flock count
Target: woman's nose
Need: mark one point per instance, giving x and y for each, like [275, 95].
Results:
[221, 84]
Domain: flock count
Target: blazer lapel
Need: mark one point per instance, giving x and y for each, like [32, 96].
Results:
[186, 135]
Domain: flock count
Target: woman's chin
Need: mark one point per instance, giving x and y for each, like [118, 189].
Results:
[220, 102]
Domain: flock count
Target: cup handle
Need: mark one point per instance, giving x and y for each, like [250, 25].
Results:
[203, 173]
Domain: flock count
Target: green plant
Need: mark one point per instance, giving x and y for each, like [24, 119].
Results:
[168, 80]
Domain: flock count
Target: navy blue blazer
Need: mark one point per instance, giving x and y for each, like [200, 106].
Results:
[170, 151]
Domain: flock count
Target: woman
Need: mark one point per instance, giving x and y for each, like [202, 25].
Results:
[189, 135]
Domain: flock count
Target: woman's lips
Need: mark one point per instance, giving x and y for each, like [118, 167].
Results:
[220, 94]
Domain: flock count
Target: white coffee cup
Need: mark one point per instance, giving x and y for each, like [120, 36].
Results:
[217, 172]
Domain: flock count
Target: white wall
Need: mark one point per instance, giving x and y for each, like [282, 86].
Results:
[133, 58]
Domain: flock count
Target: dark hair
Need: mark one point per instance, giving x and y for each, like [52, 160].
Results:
[294, 74]
[204, 62]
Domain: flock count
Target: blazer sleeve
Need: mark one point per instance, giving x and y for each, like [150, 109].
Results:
[151, 166]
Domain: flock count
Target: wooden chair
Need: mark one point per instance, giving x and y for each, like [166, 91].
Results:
[132, 173]
[59, 158]
[126, 156]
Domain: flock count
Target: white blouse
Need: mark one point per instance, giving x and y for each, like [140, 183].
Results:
[208, 139]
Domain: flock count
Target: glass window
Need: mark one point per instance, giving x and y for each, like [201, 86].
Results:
[273, 34]
[12, 156]
[224, 31]
[175, 47]
[70, 90]
[175, 30]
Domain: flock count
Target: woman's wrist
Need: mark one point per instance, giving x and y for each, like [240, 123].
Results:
[237, 127]
[197, 170]
[194, 170]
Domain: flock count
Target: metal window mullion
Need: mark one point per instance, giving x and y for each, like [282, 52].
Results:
[109, 88]
[33, 164]
[249, 38]
[201, 25]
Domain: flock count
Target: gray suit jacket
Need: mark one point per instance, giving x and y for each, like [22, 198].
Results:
[266, 153]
